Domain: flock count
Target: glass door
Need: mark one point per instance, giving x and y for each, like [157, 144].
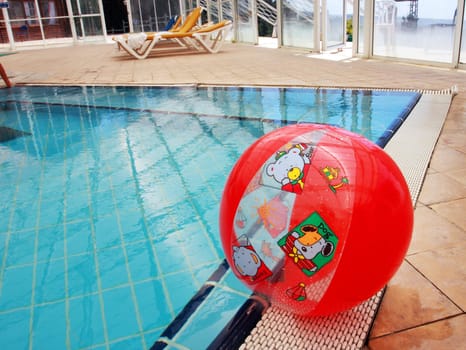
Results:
[154, 15]
[299, 24]
[87, 17]
[334, 23]
[246, 23]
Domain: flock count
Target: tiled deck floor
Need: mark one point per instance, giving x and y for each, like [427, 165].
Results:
[424, 306]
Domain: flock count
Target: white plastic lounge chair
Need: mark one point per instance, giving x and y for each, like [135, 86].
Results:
[208, 38]
[139, 43]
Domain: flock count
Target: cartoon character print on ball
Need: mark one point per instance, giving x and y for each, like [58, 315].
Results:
[291, 167]
[307, 218]
[247, 261]
[311, 244]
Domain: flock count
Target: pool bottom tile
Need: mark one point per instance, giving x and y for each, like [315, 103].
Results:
[14, 329]
[86, 322]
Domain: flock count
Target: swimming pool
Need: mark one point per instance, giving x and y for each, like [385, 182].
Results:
[110, 202]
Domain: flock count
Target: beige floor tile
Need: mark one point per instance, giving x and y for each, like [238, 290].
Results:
[446, 334]
[432, 231]
[454, 137]
[439, 188]
[458, 175]
[409, 301]
[454, 211]
[446, 268]
[446, 159]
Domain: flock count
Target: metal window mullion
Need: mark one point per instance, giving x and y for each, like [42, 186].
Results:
[458, 34]
[39, 18]
[278, 24]
[140, 16]
[130, 15]
[234, 9]
[156, 17]
[102, 19]
[254, 20]
[355, 33]
[317, 30]
[323, 19]
[78, 4]
[369, 28]
[9, 32]
[71, 19]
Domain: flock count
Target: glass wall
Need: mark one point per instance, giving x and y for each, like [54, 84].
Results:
[420, 30]
[246, 25]
[463, 39]
[87, 18]
[359, 40]
[217, 10]
[298, 25]
[335, 23]
[154, 15]
[31, 20]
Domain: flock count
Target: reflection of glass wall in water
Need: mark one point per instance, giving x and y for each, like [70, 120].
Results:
[245, 25]
[298, 23]
[422, 30]
[153, 15]
[335, 23]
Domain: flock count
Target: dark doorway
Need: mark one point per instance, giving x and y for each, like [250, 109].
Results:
[116, 16]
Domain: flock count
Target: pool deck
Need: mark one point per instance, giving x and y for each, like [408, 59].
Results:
[424, 305]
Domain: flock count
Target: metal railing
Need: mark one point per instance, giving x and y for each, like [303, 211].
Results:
[267, 12]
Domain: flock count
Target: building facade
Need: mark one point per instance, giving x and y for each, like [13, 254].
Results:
[424, 31]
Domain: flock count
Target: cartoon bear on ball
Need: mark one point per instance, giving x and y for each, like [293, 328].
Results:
[290, 167]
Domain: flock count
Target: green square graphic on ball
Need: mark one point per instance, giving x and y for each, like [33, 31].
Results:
[311, 244]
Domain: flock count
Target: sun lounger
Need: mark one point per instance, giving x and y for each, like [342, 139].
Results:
[207, 38]
[139, 42]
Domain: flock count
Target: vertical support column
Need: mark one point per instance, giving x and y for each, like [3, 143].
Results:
[71, 19]
[130, 15]
[39, 18]
[458, 33]
[102, 19]
[355, 27]
[323, 18]
[234, 9]
[254, 21]
[9, 32]
[278, 28]
[317, 26]
[368, 28]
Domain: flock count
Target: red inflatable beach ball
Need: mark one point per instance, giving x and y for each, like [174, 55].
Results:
[316, 218]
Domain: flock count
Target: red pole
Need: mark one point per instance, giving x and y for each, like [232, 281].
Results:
[4, 76]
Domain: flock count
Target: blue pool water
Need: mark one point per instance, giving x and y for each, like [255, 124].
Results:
[110, 198]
